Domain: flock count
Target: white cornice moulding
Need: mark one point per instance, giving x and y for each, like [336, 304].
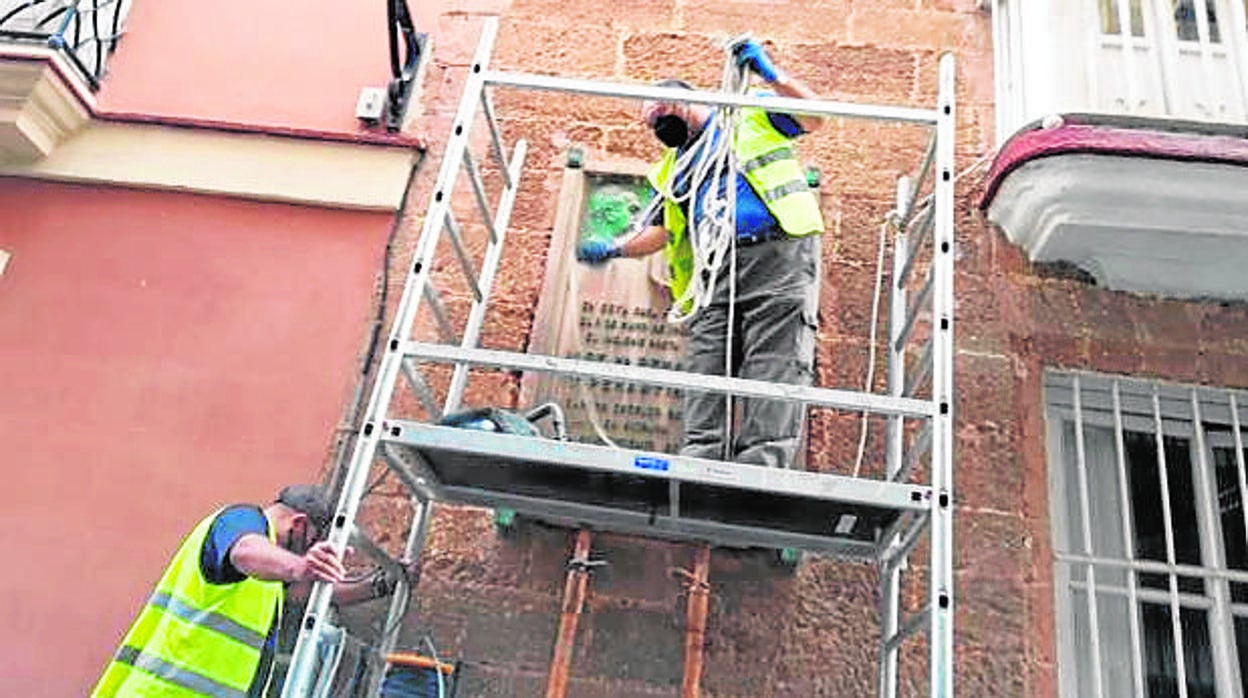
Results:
[39, 110]
[50, 129]
[252, 166]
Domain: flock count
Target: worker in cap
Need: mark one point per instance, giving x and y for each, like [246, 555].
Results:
[775, 291]
[210, 627]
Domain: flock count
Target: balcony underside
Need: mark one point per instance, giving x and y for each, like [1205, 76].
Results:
[1148, 207]
[40, 107]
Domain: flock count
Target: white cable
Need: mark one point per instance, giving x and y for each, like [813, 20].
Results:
[875, 301]
[437, 667]
[591, 409]
[918, 205]
[875, 318]
[734, 80]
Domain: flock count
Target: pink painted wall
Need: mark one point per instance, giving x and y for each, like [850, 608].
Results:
[160, 354]
[283, 64]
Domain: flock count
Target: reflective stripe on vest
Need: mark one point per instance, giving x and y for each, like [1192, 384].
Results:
[207, 619]
[767, 158]
[182, 678]
[193, 637]
[793, 187]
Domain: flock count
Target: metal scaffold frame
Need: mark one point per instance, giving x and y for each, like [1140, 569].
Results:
[922, 306]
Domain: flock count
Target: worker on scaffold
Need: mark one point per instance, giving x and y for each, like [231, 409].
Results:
[773, 300]
[210, 628]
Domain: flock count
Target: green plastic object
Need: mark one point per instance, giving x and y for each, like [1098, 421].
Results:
[505, 518]
[813, 177]
[790, 557]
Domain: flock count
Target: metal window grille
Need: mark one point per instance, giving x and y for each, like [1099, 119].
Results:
[86, 32]
[1149, 536]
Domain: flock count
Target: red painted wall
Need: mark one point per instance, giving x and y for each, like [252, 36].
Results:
[160, 354]
[282, 64]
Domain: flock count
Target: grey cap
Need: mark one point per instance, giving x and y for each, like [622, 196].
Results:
[312, 500]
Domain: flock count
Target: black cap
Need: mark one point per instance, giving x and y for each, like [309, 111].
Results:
[673, 82]
[311, 500]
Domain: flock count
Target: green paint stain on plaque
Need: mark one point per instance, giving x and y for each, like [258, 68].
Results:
[611, 205]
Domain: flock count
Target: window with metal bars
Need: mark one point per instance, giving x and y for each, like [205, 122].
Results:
[1149, 536]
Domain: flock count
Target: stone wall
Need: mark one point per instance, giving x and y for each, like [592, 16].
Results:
[495, 601]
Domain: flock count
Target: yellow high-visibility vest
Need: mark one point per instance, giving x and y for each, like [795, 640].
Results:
[766, 158]
[194, 638]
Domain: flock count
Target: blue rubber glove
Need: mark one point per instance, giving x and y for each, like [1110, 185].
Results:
[751, 53]
[597, 251]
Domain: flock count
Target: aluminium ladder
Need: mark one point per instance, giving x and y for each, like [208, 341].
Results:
[663, 495]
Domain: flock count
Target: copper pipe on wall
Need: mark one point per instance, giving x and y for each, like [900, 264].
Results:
[573, 601]
[695, 622]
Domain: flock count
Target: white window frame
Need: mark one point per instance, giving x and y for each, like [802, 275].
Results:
[1051, 57]
[1209, 419]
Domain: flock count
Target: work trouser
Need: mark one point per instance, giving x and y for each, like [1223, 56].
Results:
[773, 337]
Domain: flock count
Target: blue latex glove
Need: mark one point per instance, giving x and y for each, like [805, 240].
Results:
[751, 53]
[597, 251]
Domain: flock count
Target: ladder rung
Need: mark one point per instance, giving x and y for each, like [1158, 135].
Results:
[420, 479]
[908, 540]
[457, 241]
[925, 369]
[360, 541]
[916, 452]
[478, 188]
[920, 179]
[439, 313]
[912, 312]
[416, 380]
[489, 267]
[912, 625]
[920, 235]
[923, 225]
[496, 139]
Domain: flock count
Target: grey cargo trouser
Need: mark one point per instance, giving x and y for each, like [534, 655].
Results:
[777, 302]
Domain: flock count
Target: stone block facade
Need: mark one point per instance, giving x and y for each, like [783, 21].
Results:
[495, 601]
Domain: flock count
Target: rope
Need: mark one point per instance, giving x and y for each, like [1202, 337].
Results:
[710, 161]
[712, 235]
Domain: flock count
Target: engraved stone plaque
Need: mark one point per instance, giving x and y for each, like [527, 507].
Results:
[613, 312]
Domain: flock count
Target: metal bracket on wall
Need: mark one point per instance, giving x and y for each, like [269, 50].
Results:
[403, 73]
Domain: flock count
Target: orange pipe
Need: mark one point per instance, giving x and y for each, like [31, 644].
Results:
[411, 659]
[695, 622]
[573, 601]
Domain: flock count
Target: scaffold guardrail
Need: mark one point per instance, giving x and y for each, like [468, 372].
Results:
[653, 494]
